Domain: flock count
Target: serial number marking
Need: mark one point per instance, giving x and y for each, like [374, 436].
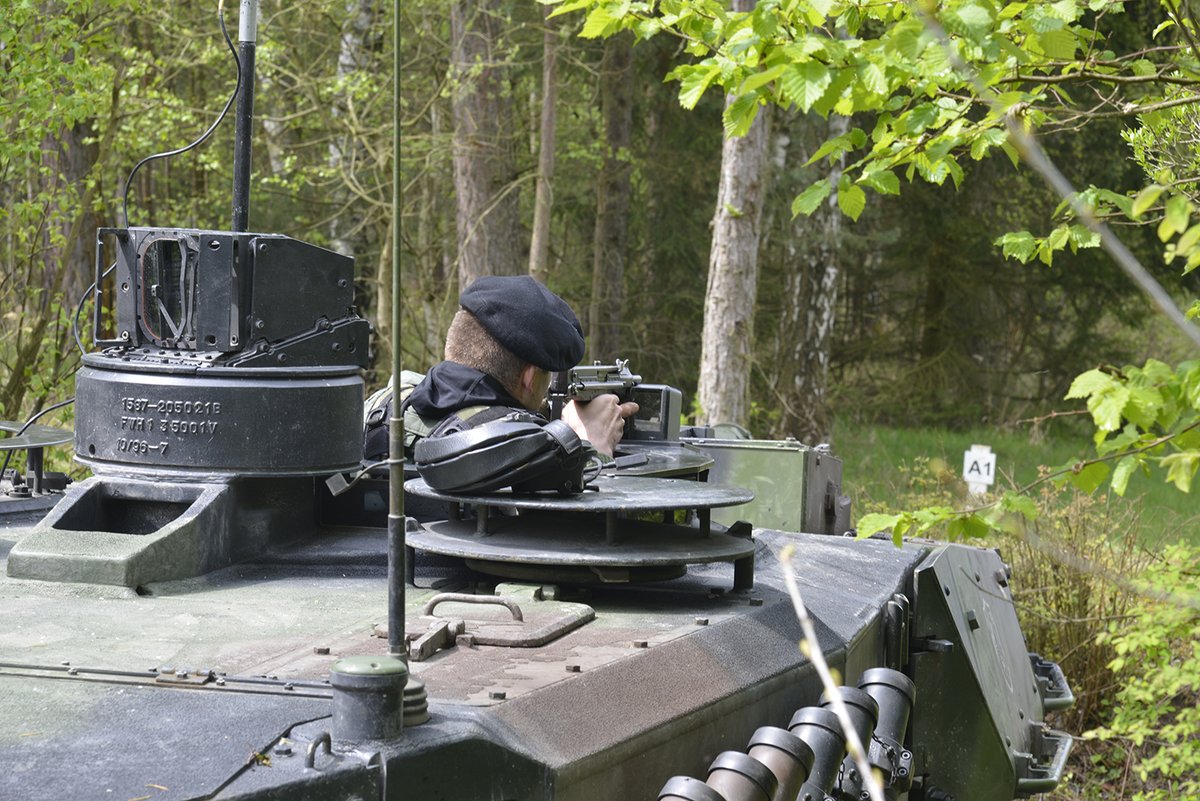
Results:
[187, 407]
[170, 424]
[188, 426]
[135, 404]
[126, 445]
[165, 407]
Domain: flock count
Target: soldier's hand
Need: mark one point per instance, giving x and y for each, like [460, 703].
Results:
[600, 421]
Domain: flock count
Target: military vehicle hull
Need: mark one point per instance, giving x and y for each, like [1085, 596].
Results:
[217, 686]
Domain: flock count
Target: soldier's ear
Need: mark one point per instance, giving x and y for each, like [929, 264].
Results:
[529, 375]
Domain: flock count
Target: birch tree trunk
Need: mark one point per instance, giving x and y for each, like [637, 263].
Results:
[811, 294]
[487, 222]
[539, 248]
[725, 355]
[352, 57]
[613, 188]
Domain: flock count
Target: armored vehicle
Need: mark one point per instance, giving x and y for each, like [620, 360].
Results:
[232, 608]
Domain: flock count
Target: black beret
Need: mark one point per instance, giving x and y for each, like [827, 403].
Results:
[528, 319]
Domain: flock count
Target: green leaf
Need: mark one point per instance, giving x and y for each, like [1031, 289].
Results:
[968, 19]
[968, 527]
[1106, 407]
[1175, 221]
[851, 200]
[1021, 504]
[906, 42]
[1143, 68]
[1145, 199]
[821, 7]
[764, 21]
[1106, 398]
[1122, 473]
[986, 140]
[1181, 468]
[739, 115]
[808, 200]
[1188, 241]
[805, 83]
[1058, 238]
[1088, 478]
[1019, 245]
[761, 78]
[872, 78]
[1143, 406]
[600, 22]
[1089, 383]
[1059, 44]
[569, 6]
[1081, 237]
[884, 182]
[871, 524]
[694, 81]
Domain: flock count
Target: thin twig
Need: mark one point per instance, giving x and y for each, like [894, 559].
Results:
[1032, 154]
[811, 649]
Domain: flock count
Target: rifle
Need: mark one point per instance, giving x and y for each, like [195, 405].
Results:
[659, 406]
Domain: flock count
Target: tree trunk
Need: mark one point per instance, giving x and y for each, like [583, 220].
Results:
[612, 199]
[725, 355]
[352, 57]
[811, 293]
[539, 249]
[488, 226]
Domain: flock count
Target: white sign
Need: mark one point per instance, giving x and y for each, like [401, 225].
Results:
[979, 468]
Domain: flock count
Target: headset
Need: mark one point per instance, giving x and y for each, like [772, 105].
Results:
[519, 450]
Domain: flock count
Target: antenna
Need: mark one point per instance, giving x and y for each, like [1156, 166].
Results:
[247, 38]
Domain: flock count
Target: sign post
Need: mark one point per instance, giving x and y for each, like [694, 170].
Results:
[979, 468]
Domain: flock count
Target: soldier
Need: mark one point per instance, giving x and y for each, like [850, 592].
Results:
[509, 336]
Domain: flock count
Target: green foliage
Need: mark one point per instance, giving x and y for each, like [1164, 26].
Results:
[1146, 418]
[934, 101]
[1156, 711]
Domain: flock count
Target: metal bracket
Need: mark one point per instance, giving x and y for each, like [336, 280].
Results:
[183, 676]
[1052, 684]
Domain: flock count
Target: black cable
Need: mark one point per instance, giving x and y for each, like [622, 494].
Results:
[26, 426]
[129, 181]
[79, 309]
[229, 103]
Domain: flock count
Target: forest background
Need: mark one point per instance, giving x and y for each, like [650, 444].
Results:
[900, 327]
